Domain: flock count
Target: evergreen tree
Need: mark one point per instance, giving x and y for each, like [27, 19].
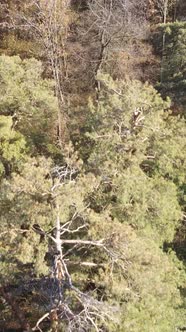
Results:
[173, 80]
[12, 146]
[130, 127]
[91, 245]
[29, 100]
[134, 278]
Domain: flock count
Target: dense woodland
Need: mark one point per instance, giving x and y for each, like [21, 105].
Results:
[93, 165]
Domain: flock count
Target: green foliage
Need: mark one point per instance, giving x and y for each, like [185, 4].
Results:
[144, 281]
[11, 44]
[133, 137]
[26, 199]
[129, 196]
[155, 303]
[29, 99]
[22, 204]
[174, 61]
[12, 146]
[129, 115]
[145, 204]
[170, 150]
[140, 282]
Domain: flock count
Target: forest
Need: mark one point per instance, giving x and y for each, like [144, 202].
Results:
[92, 165]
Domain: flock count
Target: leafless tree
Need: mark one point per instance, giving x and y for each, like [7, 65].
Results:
[162, 6]
[46, 22]
[108, 26]
[78, 48]
[167, 9]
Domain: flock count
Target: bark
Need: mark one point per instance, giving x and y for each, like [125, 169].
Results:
[165, 7]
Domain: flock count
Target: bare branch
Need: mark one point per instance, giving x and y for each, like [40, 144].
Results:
[84, 242]
[36, 327]
[75, 230]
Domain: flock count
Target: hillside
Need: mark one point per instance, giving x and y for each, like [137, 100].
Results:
[92, 165]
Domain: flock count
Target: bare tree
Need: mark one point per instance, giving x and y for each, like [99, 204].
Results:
[100, 30]
[164, 7]
[113, 22]
[77, 46]
[167, 8]
[46, 22]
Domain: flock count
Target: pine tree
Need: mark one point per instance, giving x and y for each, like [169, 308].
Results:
[173, 82]
[129, 129]
[12, 147]
[29, 100]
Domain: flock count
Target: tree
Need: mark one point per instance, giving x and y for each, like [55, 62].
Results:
[173, 63]
[12, 147]
[129, 119]
[163, 7]
[167, 7]
[30, 101]
[88, 245]
[78, 268]
[89, 239]
[46, 23]
[111, 23]
[46, 247]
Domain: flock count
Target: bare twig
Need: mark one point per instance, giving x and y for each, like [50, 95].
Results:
[37, 327]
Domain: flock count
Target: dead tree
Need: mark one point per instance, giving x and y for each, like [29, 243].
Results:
[63, 238]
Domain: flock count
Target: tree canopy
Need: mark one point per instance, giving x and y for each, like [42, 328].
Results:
[92, 166]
